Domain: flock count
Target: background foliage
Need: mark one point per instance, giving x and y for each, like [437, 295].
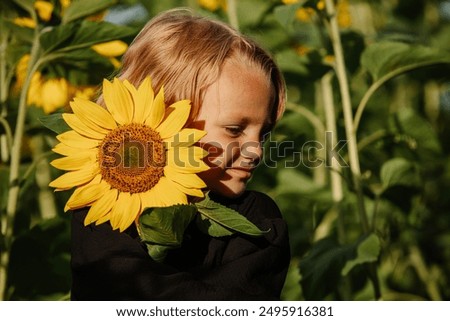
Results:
[359, 164]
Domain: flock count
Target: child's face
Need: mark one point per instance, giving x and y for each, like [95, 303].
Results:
[235, 114]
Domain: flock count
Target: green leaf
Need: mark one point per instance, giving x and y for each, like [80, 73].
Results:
[55, 123]
[75, 36]
[57, 37]
[384, 59]
[367, 251]
[285, 14]
[320, 268]
[223, 219]
[28, 5]
[399, 171]
[165, 225]
[83, 8]
[211, 227]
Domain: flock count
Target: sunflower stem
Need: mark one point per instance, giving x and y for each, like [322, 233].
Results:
[350, 131]
[14, 174]
[232, 14]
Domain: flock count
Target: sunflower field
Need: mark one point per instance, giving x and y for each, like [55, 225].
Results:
[359, 164]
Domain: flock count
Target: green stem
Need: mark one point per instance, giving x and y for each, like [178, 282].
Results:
[377, 84]
[14, 187]
[341, 74]
[309, 115]
[232, 14]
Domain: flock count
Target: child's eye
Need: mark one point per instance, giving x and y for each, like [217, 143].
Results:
[234, 131]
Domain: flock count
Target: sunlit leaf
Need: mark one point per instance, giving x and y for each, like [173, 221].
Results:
[384, 58]
[399, 171]
[227, 218]
[367, 251]
[83, 8]
[285, 14]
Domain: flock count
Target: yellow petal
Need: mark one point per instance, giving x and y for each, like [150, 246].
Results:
[93, 115]
[75, 161]
[157, 110]
[188, 180]
[73, 139]
[86, 195]
[125, 211]
[103, 219]
[185, 138]
[175, 120]
[44, 9]
[118, 101]
[101, 207]
[65, 150]
[143, 101]
[75, 178]
[76, 124]
[185, 190]
[163, 194]
[187, 160]
[111, 48]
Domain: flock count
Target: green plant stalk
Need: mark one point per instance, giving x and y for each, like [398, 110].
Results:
[319, 172]
[341, 74]
[232, 14]
[309, 115]
[5, 139]
[14, 182]
[377, 84]
[46, 197]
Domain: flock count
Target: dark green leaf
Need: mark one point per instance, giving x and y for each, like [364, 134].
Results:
[211, 227]
[399, 171]
[384, 58]
[321, 268]
[58, 36]
[75, 36]
[367, 251]
[55, 122]
[165, 225]
[226, 217]
[83, 8]
[28, 5]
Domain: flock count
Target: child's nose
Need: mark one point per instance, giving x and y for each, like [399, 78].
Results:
[252, 150]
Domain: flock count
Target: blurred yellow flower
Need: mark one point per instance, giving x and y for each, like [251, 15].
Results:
[44, 9]
[24, 22]
[289, 1]
[305, 14]
[343, 14]
[111, 49]
[213, 5]
[49, 94]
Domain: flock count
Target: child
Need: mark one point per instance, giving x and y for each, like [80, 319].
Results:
[237, 94]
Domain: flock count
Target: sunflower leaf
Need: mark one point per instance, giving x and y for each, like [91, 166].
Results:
[162, 228]
[55, 123]
[219, 220]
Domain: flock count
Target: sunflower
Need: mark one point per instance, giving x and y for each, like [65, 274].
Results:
[131, 155]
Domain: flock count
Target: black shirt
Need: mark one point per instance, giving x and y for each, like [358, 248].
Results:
[109, 265]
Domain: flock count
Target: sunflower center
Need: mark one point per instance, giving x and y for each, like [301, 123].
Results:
[132, 158]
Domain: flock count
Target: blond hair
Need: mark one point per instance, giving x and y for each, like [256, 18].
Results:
[184, 53]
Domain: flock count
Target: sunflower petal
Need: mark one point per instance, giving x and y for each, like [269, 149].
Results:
[163, 194]
[184, 190]
[101, 207]
[65, 150]
[185, 138]
[75, 161]
[175, 120]
[188, 180]
[143, 101]
[118, 101]
[155, 115]
[125, 210]
[72, 139]
[187, 160]
[86, 195]
[75, 178]
[76, 124]
[93, 115]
